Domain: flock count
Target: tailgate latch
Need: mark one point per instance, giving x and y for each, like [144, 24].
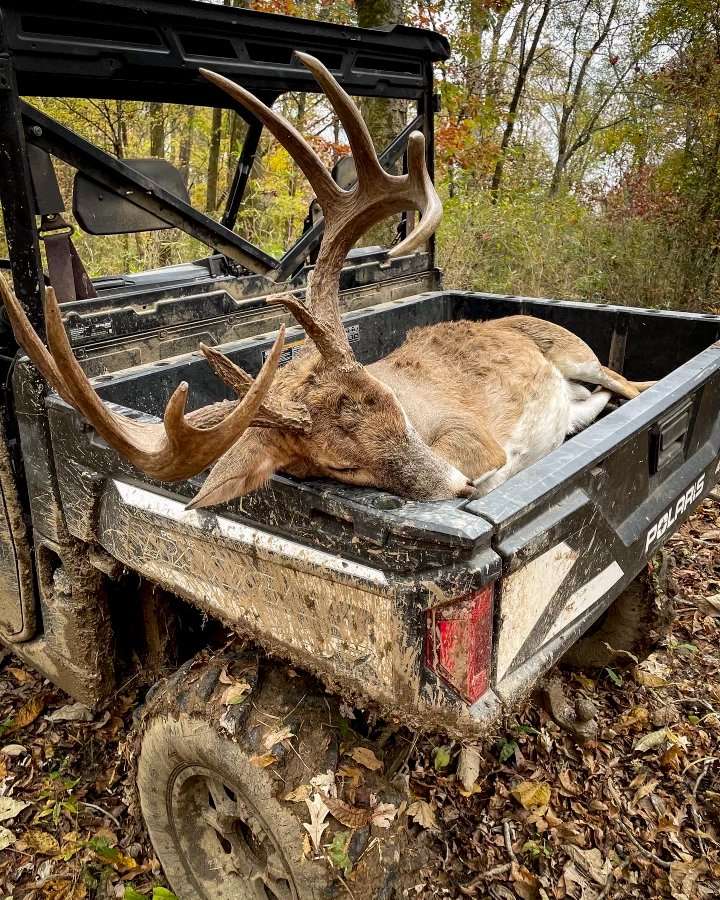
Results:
[667, 438]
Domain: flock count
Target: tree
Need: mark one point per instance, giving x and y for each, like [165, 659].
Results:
[532, 24]
[590, 85]
[213, 169]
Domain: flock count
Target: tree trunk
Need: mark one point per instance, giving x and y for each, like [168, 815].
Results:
[186, 143]
[157, 151]
[234, 146]
[214, 162]
[157, 130]
[385, 118]
[520, 82]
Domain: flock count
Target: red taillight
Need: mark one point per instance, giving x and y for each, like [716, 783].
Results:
[458, 642]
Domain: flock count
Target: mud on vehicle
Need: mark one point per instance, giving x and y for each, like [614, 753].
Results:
[264, 623]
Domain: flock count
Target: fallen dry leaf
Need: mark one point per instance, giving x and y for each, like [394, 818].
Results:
[317, 824]
[531, 794]
[352, 773]
[6, 837]
[524, 882]
[13, 749]
[20, 675]
[10, 807]
[651, 672]
[684, 875]
[421, 812]
[651, 740]
[236, 693]
[73, 712]
[263, 760]
[40, 841]
[324, 783]
[28, 713]
[383, 815]
[592, 862]
[277, 737]
[350, 816]
[300, 794]
[366, 758]
[63, 889]
[468, 767]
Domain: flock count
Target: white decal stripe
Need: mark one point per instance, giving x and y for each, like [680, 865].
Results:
[525, 596]
[585, 597]
[250, 539]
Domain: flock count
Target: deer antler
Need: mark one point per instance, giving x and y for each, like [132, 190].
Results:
[171, 451]
[348, 214]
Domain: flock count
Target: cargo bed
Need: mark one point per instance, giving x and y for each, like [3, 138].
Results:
[345, 581]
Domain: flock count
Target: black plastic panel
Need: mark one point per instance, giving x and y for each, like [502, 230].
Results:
[151, 50]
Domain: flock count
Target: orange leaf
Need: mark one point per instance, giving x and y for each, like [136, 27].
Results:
[28, 713]
[351, 816]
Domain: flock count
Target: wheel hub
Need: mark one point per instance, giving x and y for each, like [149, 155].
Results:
[225, 845]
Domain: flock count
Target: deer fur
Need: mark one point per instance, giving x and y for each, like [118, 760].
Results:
[455, 411]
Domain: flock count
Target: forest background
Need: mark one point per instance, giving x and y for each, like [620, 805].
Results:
[578, 148]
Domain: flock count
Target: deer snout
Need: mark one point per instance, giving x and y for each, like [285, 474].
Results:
[467, 490]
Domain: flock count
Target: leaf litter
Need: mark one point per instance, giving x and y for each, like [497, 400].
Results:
[526, 812]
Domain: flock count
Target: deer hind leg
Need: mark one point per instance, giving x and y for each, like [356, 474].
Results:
[595, 373]
[572, 356]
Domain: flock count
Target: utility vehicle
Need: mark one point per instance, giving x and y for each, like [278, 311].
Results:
[266, 622]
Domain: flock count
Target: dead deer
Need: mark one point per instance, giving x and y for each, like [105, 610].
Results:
[454, 412]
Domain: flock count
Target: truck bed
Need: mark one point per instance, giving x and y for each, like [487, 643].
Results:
[344, 580]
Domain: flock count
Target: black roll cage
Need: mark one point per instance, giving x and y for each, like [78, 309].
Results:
[151, 50]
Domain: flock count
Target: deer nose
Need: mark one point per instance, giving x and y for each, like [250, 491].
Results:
[467, 490]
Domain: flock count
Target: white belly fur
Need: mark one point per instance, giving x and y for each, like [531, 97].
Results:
[543, 426]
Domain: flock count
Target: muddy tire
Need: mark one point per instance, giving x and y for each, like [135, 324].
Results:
[633, 624]
[214, 816]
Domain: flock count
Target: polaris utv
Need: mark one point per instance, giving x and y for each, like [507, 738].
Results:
[263, 623]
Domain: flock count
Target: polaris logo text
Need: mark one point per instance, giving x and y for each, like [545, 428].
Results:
[668, 519]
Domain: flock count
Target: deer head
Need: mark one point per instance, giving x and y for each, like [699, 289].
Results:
[323, 414]
[359, 433]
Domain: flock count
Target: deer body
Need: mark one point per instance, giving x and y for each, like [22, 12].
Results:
[454, 412]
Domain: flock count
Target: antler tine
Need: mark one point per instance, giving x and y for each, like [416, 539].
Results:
[288, 414]
[334, 349]
[348, 214]
[173, 450]
[425, 198]
[361, 144]
[296, 145]
[419, 190]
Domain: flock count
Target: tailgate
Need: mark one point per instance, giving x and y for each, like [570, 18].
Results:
[574, 529]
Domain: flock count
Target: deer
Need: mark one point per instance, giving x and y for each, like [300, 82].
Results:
[454, 412]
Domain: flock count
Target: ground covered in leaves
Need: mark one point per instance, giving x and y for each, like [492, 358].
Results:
[529, 813]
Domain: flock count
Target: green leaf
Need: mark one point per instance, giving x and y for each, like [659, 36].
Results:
[132, 894]
[337, 851]
[161, 893]
[614, 677]
[507, 750]
[441, 757]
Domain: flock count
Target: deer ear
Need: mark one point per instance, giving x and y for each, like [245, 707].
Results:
[247, 465]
